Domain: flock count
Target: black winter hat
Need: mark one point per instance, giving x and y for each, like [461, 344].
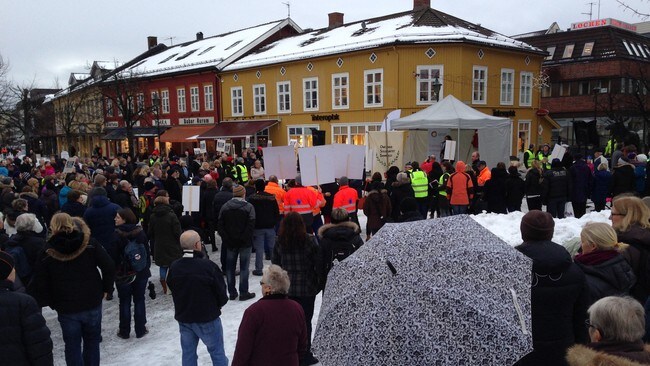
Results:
[6, 265]
[537, 226]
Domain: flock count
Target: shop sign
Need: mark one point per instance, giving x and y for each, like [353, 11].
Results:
[603, 23]
[111, 124]
[500, 113]
[196, 121]
[325, 117]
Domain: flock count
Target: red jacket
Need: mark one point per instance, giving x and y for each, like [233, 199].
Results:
[299, 199]
[346, 198]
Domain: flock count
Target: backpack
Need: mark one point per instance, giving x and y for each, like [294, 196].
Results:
[23, 269]
[135, 254]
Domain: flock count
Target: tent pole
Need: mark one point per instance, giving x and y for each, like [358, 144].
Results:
[386, 138]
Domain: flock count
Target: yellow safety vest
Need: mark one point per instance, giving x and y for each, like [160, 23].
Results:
[244, 173]
[442, 184]
[420, 184]
[540, 157]
[531, 158]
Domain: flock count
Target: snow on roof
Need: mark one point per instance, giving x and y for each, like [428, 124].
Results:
[373, 33]
[108, 65]
[208, 52]
[80, 75]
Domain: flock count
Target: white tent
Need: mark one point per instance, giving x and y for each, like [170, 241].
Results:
[494, 133]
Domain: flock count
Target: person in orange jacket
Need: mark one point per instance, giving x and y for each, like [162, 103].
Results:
[302, 200]
[320, 202]
[346, 198]
[484, 173]
[273, 187]
[460, 190]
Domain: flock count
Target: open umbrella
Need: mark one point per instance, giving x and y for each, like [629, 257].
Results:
[432, 292]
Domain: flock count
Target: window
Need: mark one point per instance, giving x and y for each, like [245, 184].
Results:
[568, 50]
[507, 86]
[340, 91]
[237, 101]
[310, 94]
[301, 134]
[352, 134]
[194, 99]
[551, 53]
[109, 107]
[154, 96]
[140, 102]
[627, 47]
[164, 100]
[524, 135]
[583, 88]
[284, 96]
[373, 88]
[427, 76]
[208, 97]
[182, 106]
[526, 89]
[588, 49]
[259, 99]
[130, 104]
[479, 85]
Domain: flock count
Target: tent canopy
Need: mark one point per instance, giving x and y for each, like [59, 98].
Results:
[495, 136]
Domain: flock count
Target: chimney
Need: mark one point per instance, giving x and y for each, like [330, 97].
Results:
[199, 36]
[336, 20]
[421, 4]
[152, 42]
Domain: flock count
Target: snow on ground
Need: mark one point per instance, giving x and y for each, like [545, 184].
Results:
[162, 345]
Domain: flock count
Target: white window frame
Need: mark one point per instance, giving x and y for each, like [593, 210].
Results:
[568, 50]
[432, 69]
[507, 87]
[284, 96]
[551, 53]
[140, 102]
[237, 101]
[348, 126]
[479, 84]
[341, 90]
[109, 108]
[525, 89]
[521, 124]
[164, 101]
[208, 96]
[259, 99]
[181, 100]
[304, 135]
[195, 104]
[374, 83]
[310, 94]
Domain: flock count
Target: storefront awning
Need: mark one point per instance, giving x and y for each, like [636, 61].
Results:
[120, 133]
[184, 133]
[235, 129]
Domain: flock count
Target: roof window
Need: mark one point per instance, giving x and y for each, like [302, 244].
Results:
[588, 49]
[186, 54]
[233, 45]
[168, 58]
[568, 50]
[551, 53]
[205, 50]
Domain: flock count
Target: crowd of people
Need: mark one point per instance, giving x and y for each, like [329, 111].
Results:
[64, 219]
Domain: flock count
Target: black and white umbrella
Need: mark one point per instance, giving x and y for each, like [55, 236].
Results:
[432, 292]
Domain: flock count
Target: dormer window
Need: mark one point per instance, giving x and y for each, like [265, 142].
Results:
[551, 53]
[588, 49]
[568, 50]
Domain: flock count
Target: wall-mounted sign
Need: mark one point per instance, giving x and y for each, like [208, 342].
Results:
[500, 113]
[325, 117]
[161, 122]
[603, 23]
[111, 124]
[196, 121]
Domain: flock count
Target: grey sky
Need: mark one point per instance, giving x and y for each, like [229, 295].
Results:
[45, 40]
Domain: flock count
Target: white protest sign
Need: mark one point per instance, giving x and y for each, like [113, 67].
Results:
[202, 147]
[450, 150]
[349, 160]
[280, 161]
[197, 151]
[135, 191]
[293, 142]
[557, 153]
[221, 145]
[69, 167]
[248, 141]
[191, 198]
[226, 147]
[316, 165]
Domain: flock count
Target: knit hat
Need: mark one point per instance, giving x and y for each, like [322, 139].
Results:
[537, 226]
[149, 186]
[6, 265]
[641, 158]
[239, 191]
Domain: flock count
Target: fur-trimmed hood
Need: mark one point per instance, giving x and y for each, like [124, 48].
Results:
[345, 226]
[28, 194]
[68, 246]
[128, 231]
[580, 355]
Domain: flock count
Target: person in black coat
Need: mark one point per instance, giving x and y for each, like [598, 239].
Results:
[559, 293]
[124, 196]
[602, 185]
[338, 240]
[24, 335]
[32, 245]
[401, 189]
[495, 192]
[408, 208]
[126, 230]
[267, 215]
[581, 182]
[556, 187]
[100, 217]
[67, 280]
[515, 187]
[73, 206]
[207, 212]
[533, 186]
[220, 199]
[623, 179]
[173, 185]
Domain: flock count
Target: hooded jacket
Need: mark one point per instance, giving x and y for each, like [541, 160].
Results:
[496, 191]
[623, 179]
[602, 185]
[165, 234]
[613, 277]
[604, 354]
[100, 217]
[376, 207]
[460, 188]
[127, 232]
[559, 299]
[66, 276]
[236, 223]
[337, 242]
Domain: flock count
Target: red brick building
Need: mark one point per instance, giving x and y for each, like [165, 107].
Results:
[597, 70]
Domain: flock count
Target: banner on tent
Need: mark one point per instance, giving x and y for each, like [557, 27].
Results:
[280, 161]
[388, 148]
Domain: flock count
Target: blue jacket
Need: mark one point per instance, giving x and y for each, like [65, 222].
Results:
[639, 174]
[100, 217]
[63, 195]
[602, 185]
[581, 181]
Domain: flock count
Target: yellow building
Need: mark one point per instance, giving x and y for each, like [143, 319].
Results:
[345, 79]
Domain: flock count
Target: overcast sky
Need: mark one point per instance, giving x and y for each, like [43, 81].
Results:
[46, 40]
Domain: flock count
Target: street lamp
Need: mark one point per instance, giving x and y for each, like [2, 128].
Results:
[436, 87]
[156, 103]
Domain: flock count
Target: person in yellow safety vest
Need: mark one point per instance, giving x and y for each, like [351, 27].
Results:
[420, 184]
[443, 200]
[544, 156]
[529, 156]
[611, 145]
[240, 172]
